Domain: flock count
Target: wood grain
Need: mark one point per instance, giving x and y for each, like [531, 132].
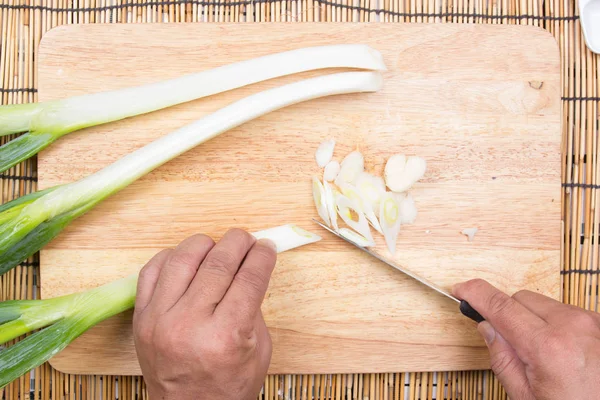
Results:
[480, 103]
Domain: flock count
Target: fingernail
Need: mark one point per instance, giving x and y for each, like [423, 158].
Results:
[268, 243]
[487, 331]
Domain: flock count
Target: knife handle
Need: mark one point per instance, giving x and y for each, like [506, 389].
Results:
[470, 312]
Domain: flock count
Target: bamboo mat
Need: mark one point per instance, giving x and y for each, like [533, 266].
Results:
[23, 23]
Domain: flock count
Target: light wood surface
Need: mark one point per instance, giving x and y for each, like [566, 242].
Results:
[480, 103]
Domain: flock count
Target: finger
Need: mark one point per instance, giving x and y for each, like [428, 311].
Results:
[179, 271]
[217, 271]
[250, 284]
[509, 317]
[538, 304]
[147, 279]
[506, 364]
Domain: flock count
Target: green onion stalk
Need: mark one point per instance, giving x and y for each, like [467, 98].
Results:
[62, 319]
[30, 222]
[43, 123]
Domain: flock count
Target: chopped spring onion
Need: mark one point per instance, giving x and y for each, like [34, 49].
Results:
[470, 233]
[24, 233]
[389, 217]
[353, 216]
[332, 169]
[408, 210]
[287, 237]
[46, 122]
[330, 201]
[356, 237]
[320, 200]
[67, 317]
[352, 165]
[325, 152]
[372, 188]
[402, 172]
[359, 199]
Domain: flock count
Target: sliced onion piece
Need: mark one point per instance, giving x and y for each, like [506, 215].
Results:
[287, 237]
[347, 209]
[325, 152]
[408, 210]
[352, 165]
[356, 238]
[352, 192]
[389, 217]
[332, 169]
[371, 187]
[320, 200]
[402, 172]
[330, 201]
[470, 233]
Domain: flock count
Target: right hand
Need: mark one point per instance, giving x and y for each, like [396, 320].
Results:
[540, 349]
[198, 329]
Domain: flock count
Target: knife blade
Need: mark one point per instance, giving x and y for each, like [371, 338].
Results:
[464, 307]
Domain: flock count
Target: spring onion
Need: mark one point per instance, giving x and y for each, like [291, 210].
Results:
[402, 172]
[65, 318]
[356, 237]
[470, 233]
[408, 210]
[320, 199]
[352, 165]
[331, 171]
[25, 232]
[46, 122]
[389, 217]
[330, 202]
[325, 152]
[353, 216]
[362, 203]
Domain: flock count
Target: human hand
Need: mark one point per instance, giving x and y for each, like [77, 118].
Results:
[198, 329]
[540, 348]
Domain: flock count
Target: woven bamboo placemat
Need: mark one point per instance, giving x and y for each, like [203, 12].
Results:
[24, 22]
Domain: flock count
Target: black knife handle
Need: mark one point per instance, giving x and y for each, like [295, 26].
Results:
[470, 312]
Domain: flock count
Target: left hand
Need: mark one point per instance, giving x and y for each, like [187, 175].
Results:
[198, 328]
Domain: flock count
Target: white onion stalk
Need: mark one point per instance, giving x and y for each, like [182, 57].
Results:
[324, 152]
[330, 201]
[389, 217]
[46, 122]
[44, 217]
[320, 200]
[402, 172]
[356, 237]
[352, 165]
[67, 317]
[332, 169]
[351, 192]
[372, 188]
[346, 208]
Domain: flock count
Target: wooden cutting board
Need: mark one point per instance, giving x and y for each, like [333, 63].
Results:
[479, 103]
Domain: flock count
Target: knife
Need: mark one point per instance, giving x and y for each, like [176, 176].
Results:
[465, 308]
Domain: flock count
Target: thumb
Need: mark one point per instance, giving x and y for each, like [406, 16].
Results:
[507, 366]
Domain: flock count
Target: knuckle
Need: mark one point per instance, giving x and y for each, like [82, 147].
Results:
[221, 262]
[183, 259]
[499, 303]
[503, 362]
[583, 321]
[143, 333]
[252, 280]
[264, 254]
